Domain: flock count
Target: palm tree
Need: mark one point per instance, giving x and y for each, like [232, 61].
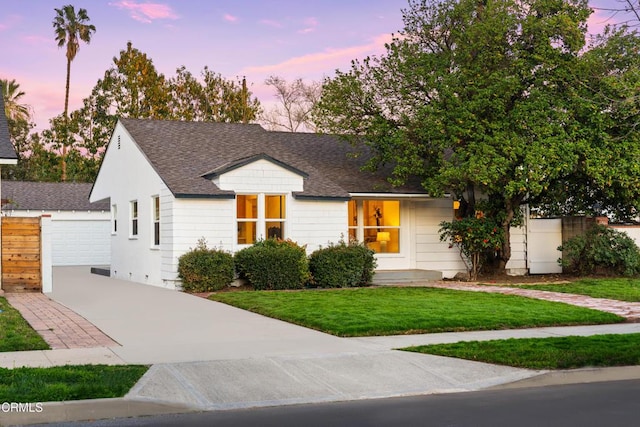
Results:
[13, 109]
[70, 28]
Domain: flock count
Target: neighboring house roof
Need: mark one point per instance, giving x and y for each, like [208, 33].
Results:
[186, 155]
[6, 147]
[49, 196]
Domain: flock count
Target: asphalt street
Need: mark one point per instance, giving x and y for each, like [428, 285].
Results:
[599, 404]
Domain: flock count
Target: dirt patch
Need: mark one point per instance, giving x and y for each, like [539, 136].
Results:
[541, 279]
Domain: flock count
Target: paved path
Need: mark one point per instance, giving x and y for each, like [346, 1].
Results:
[628, 310]
[59, 326]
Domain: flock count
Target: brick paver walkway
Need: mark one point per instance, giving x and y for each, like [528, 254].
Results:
[628, 310]
[59, 326]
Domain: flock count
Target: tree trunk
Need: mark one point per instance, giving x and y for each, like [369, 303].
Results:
[505, 251]
[66, 122]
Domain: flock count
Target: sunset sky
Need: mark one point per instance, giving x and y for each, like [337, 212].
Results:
[252, 38]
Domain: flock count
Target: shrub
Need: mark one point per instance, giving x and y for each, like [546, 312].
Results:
[601, 250]
[474, 238]
[273, 264]
[205, 270]
[342, 265]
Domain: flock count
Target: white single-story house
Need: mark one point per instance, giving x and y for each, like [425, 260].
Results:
[171, 183]
[80, 230]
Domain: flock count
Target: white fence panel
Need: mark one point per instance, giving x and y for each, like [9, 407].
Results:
[545, 235]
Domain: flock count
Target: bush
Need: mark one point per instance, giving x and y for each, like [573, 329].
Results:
[601, 250]
[273, 264]
[205, 270]
[342, 265]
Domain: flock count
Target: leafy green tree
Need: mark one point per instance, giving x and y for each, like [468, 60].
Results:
[19, 124]
[479, 97]
[70, 29]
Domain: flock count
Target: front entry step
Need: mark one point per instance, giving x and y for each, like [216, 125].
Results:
[394, 277]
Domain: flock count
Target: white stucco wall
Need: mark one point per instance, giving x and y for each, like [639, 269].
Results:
[125, 176]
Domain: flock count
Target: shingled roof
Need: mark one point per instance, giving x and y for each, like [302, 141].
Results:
[186, 155]
[49, 196]
[6, 148]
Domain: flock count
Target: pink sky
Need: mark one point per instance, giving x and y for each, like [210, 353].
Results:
[252, 38]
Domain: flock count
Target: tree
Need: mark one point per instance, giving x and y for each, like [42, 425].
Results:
[18, 114]
[479, 97]
[296, 101]
[70, 29]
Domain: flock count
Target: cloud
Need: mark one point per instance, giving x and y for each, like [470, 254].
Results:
[146, 12]
[310, 26]
[230, 18]
[327, 60]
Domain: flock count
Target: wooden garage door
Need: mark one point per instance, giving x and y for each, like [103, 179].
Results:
[21, 255]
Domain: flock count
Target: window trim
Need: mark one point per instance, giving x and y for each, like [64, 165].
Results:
[134, 220]
[358, 230]
[260, 222]
[155, 221]
[114, 219]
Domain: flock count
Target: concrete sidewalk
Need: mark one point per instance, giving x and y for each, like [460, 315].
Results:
[207, 355]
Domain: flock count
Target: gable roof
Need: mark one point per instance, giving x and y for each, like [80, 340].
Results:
[49, 196]
[6, 147]
[186, 154]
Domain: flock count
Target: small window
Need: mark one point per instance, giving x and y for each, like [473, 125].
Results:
[156, 220]
[114, 219]
[134, 218]
[379, 224]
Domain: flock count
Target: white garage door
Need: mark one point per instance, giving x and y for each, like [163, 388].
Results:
[81, 242]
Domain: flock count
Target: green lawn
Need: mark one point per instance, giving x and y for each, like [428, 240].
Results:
[622, 289]
[546, 353]
[391, 311]
[15, 332]
[67, 382]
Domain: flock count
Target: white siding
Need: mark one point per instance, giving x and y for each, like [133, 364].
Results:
[317, 223]
[517, 264]
[431, 253]
[126, 175]
[261, 176]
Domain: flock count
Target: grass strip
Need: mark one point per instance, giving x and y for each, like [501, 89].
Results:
[397, 310]
[622, 289]
[15, 333]
[71, 382]
[545, 353]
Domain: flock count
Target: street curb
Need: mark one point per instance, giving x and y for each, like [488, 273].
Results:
[98, 409]
[93, 409]
[574, 376]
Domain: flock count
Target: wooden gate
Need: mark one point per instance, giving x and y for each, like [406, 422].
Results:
[21, 270]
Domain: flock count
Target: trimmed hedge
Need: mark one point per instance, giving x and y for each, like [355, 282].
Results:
[205, 270]
[601, 250]
[342, 265]
[273, 264]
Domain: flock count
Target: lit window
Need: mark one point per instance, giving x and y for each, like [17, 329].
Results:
[274, 216]
[260, 216]
[380, 228]
[247, 215]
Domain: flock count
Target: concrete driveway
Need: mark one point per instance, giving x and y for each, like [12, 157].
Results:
[155, 325]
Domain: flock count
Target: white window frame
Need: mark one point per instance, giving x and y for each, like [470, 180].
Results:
[114, 219]
[134, 219]
[155, 221]
[261, 220]
[360, 227]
